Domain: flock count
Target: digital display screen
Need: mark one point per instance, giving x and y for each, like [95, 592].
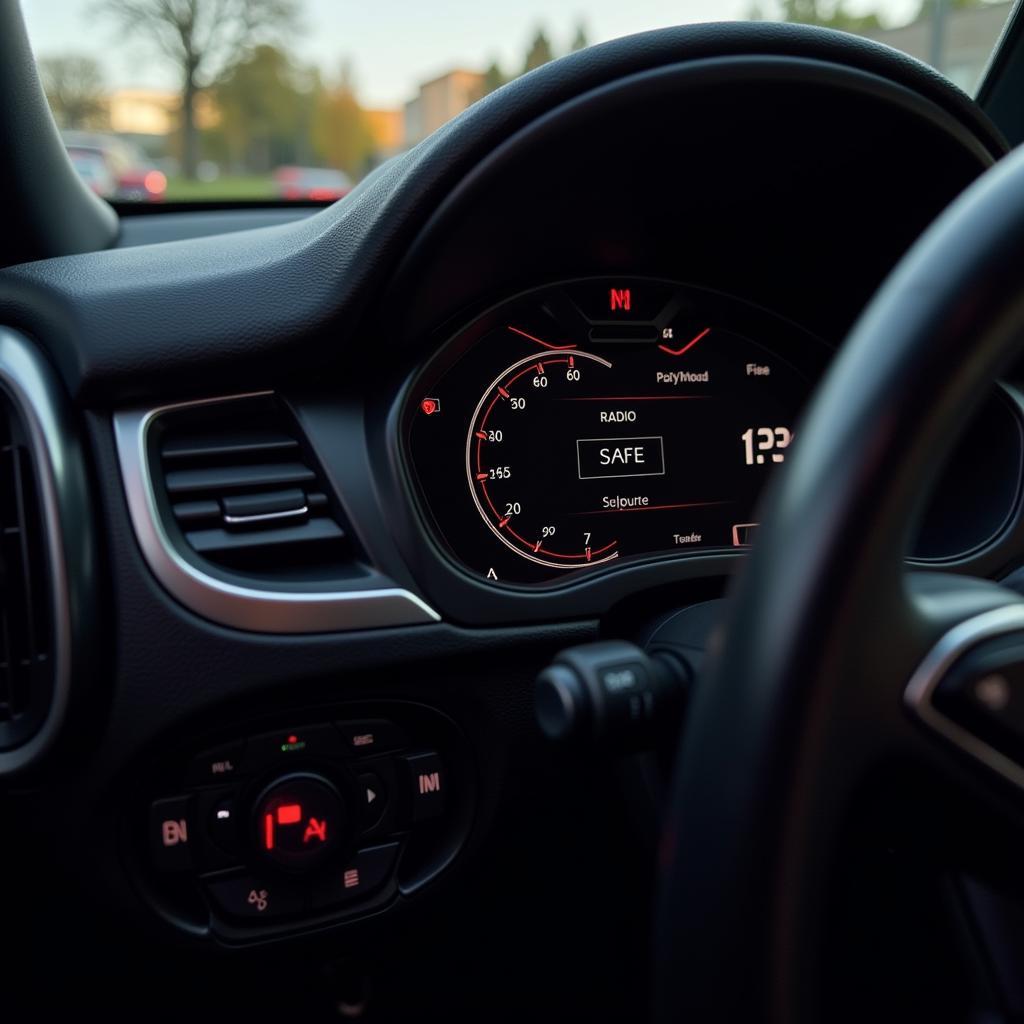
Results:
[591, 422]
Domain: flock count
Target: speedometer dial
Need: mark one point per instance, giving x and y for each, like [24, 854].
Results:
[513, 448]
[602, 421]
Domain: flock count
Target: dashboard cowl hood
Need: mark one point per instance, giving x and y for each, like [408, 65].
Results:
[123, 324]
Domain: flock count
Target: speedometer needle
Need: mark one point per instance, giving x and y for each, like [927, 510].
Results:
[686, 347]
[546, 344]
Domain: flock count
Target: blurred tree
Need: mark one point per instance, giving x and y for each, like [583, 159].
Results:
[827, 13]
[76, 91]
[310, 86]
[201, 38]
[494, 78]
[539, 53]
[261, 104]
[927, 7]
[832, 14]
[579, 40]
[341, 131]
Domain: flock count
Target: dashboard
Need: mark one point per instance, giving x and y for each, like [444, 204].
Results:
[357, 478]
[606, 419]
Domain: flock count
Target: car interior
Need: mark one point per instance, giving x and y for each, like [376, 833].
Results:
[577, 575]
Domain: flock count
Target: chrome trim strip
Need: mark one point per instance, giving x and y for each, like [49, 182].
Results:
[230, 604]
[265, 517]
[26, 379]
[957, 642]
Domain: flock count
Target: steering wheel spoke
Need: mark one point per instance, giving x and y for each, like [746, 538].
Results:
[968, 690]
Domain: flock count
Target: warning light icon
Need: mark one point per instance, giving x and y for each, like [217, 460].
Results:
[620, 298]
[430, 406]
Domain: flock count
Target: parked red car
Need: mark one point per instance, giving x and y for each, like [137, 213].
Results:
[317, 183]
[115, 169]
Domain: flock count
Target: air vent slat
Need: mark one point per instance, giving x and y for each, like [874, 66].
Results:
[236, 478]
[191, 513]
[25, 628]
[228, 446]
[6, 669]
[264, 503]
[208, 542]
[20, 483]
[246, 494]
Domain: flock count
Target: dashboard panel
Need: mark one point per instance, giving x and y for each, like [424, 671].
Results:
[605, 419]
[601, 422]
[768, 173]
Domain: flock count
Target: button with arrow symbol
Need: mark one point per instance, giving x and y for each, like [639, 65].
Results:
[373, 799]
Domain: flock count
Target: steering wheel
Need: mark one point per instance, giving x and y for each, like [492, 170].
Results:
[835, 661]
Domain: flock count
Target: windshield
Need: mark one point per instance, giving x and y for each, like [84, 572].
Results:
[226, 100]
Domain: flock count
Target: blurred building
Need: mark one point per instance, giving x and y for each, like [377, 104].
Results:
[958, 41]
[439, 100]
[155, 111]
[143, 111]
[387, 128]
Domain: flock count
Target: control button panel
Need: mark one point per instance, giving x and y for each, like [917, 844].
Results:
[308, 821]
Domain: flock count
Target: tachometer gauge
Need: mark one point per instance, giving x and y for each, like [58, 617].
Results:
[588, 423]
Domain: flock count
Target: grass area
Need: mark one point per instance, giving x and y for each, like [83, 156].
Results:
[227, 187]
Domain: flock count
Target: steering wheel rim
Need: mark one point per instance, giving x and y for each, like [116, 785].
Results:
[804, 690]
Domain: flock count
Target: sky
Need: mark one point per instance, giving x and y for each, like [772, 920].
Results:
[395, 44]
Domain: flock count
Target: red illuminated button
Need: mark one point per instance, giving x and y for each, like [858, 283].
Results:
[171, 833]
[298, 821]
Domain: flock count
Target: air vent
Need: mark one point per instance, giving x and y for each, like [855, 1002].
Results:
[26, 630]
[247, 496]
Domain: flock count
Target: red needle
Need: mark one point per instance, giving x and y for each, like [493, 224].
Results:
[686, 347]
[546, 344]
